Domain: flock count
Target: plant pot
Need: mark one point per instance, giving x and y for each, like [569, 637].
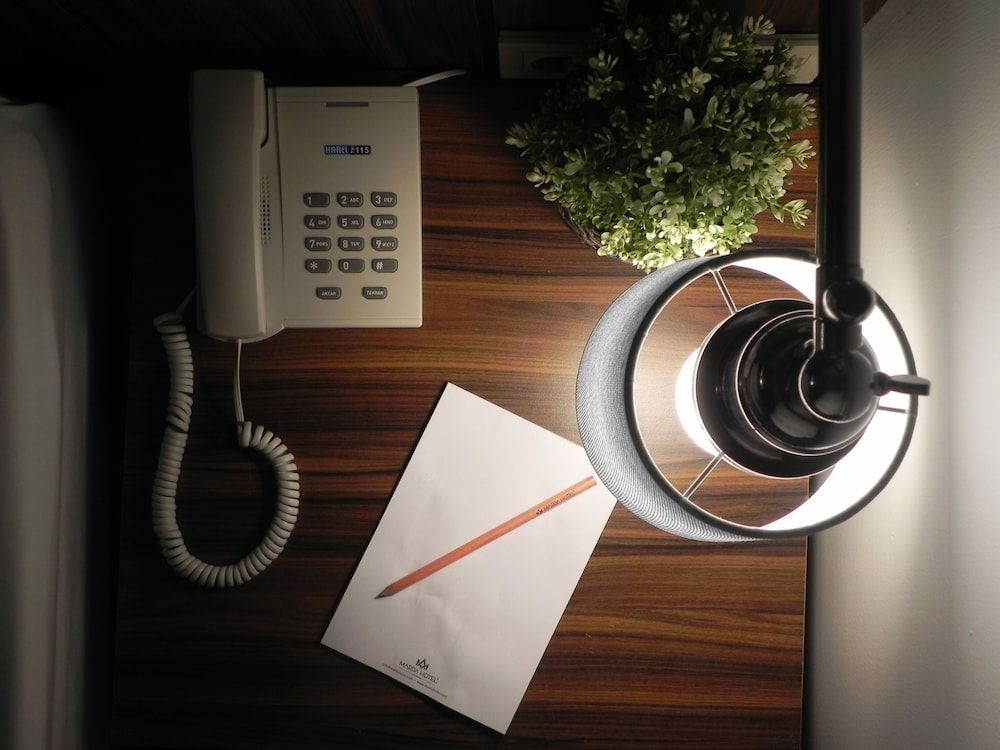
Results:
[588, 236]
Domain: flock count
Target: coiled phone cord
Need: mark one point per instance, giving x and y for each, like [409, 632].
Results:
[171, 328]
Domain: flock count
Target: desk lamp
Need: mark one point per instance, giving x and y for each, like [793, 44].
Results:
[781, 388]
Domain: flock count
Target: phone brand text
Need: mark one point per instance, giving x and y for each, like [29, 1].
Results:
[346, 149]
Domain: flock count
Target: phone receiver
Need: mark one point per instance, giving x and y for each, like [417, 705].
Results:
[233, 163]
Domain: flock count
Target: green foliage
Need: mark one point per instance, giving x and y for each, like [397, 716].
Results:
[675, 135]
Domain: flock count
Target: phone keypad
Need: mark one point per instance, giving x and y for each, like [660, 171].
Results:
[376, 241]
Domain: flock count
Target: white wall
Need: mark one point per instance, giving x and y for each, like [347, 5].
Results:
[904, 610]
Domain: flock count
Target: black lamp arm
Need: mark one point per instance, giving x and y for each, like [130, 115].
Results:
[840, 381]
[843, 299]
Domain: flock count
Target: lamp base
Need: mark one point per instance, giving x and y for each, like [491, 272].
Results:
[755, 412]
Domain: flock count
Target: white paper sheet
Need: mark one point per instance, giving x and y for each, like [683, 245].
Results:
[471, 634]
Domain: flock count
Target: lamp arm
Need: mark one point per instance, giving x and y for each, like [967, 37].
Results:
[843, 299]
[840, 380]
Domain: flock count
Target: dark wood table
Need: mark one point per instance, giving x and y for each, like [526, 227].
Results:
[665, 643]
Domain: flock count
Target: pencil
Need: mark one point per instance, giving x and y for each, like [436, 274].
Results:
[483, 539]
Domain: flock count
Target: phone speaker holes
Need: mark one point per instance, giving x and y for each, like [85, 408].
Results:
[265, 209]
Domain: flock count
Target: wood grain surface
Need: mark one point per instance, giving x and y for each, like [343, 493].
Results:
[665, 643]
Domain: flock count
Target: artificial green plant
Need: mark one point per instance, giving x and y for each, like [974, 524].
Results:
[674, 136]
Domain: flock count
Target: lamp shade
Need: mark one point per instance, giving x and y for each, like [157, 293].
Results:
[610, 427]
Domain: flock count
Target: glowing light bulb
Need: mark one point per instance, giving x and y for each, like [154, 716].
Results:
[687, 409]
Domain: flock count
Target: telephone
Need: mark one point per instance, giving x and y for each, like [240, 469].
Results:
[307, 205]
[307, 215]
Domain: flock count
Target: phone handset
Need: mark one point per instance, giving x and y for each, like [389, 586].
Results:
[234, 156]
[239, 273]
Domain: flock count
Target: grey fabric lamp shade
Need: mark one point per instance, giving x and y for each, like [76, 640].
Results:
[609, 426]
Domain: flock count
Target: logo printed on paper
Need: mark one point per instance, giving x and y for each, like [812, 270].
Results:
[419, 669]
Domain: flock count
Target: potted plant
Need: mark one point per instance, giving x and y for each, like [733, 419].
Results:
[674, 136]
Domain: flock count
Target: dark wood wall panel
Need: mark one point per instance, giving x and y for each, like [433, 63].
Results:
[364, 37]
[789, 16]
[358, 36]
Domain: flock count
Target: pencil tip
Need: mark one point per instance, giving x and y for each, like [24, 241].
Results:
[382, 594]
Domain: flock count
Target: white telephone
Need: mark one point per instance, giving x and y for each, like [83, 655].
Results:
[307, 215]
[307, 205]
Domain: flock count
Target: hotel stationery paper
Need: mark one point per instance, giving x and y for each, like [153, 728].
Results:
[475, 559]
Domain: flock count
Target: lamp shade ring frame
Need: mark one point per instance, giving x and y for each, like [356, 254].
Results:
[611, 435]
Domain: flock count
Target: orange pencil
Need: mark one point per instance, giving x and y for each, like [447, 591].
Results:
[483, 539]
